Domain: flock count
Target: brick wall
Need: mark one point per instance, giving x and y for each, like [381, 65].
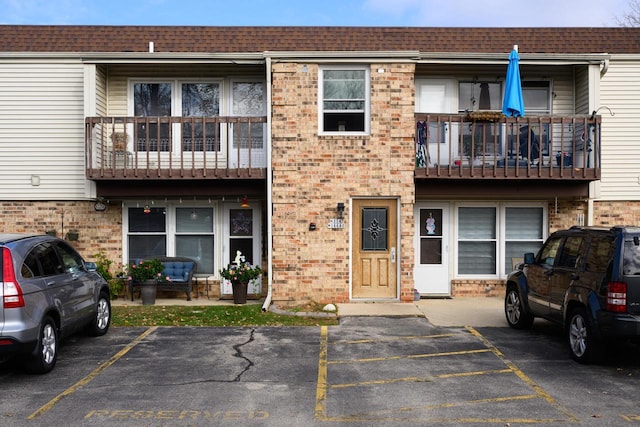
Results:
[312, 173]
[97, 231]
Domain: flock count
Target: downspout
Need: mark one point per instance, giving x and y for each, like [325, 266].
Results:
[269, 207]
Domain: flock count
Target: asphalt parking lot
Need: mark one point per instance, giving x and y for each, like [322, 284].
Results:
[365, 371]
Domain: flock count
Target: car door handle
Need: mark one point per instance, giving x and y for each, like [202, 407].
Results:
[51, 283]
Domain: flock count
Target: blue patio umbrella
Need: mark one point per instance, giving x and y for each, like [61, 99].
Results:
[512, 104]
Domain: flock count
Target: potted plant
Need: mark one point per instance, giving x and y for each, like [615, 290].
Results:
[147, 273]
[240, 273]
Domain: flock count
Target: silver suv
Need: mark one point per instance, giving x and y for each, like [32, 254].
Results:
[48, 292]
[586, 279]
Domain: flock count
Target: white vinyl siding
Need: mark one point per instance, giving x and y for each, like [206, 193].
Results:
[620, 91]
[42, 130]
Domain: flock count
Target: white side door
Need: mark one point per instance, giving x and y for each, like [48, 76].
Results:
[241, 229]
[438, 96]
[431, 271]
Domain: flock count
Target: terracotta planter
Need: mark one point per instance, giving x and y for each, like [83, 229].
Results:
[239, 292]
[148, 292]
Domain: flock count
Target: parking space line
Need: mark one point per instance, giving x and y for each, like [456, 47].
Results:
[321, 385]
[539, 390]
[411, 356]
[392, 339]
[86, 380]
[404, 414]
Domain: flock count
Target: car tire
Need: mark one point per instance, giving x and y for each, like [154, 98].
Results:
[514, 311]
[46, 354]
[102, 316]
[583, 346]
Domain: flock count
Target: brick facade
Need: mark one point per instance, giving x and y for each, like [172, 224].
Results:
[312, 173]
[97, 231]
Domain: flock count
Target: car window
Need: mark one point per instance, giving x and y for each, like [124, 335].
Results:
[46, 257]
[550, 251]
[631, 258]
[570, 252]
[600, 254]
[70, 258]
[30, 267]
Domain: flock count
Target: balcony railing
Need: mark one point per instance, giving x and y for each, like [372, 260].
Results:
[489, 145]
[175, 147]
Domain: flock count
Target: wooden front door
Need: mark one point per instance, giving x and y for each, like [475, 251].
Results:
[375, 250]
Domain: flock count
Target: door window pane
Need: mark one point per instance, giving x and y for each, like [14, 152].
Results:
[200, 100]
[241, 234]
[374, 229]
[430, 236]
[152, 100]
[248, 99]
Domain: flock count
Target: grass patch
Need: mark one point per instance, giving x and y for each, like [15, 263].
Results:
[236, 315]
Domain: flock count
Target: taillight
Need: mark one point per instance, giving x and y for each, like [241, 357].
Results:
[12, 293]
[617, 297]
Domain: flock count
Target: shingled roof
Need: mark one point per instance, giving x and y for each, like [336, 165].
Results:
[27, 38]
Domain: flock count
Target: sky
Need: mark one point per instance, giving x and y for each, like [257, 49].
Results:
[387, 13]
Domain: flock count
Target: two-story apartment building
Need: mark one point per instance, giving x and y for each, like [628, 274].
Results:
[353, 164]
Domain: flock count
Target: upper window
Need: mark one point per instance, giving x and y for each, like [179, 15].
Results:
[478, 95]
[537, 97]
[344, 93]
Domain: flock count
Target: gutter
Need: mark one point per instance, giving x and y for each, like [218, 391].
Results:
[267, 300]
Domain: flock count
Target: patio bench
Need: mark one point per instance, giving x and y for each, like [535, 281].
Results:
[179, 270]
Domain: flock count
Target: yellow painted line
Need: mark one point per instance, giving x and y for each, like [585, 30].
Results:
[539, 390]
[406, 338]
[321, 386]
[470, 374]
[378, 382]
[420, 379]
[412, 356]
[86, 380]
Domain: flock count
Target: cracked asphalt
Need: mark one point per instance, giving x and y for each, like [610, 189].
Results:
[365, 371]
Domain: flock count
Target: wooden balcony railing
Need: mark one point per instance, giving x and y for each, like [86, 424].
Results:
[488, 145]
[175, 147]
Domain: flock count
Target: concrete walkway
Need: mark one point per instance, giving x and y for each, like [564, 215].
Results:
[460, 311]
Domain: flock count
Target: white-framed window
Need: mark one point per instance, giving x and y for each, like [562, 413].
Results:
[492, 236]
[171, 230]
[536, 96]
[196, 98]
[344, 99]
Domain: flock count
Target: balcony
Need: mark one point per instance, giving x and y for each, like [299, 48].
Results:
[124, 148]
[488, 145]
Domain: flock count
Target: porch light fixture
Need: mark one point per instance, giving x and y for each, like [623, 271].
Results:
[340, 209]
[146, 209]
[245, 202]
[100, 206]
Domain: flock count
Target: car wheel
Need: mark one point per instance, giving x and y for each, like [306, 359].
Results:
[44, 359]
[583, 346]
[102, 317]
[514, 311]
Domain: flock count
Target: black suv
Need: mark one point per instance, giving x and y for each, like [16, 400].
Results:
[586, 279]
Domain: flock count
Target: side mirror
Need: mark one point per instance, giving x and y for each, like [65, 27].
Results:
[529, 258]
[90, 266]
